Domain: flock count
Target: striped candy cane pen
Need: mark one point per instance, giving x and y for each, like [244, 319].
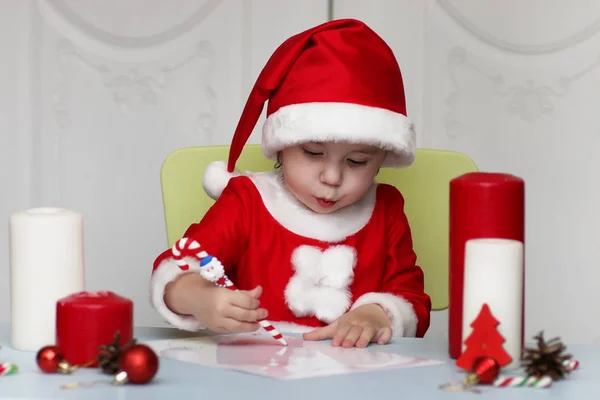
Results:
[183, 247]
[212, 270]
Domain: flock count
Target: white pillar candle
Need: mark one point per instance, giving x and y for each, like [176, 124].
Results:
[494, 276]
[46, 264]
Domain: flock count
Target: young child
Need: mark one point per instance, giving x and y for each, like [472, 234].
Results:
[314, 245]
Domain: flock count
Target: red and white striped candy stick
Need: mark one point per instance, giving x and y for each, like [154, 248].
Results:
[8, 368]
[533, 381]
[212, 270]
[571, 364]
[520, 381]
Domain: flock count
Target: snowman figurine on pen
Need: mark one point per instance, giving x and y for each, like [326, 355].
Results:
[213, 271]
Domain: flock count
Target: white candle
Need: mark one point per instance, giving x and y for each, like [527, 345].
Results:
[494, 276]
[46, 264]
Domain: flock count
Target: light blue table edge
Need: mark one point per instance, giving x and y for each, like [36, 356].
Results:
[185, 380]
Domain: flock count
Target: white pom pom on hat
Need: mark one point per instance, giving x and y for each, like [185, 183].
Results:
[216, 177]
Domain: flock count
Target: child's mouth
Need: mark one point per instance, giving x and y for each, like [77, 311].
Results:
[325, 203]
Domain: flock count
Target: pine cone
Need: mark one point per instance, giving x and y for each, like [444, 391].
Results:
[548, 359]
[108, 356]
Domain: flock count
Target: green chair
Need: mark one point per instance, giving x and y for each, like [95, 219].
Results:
[424, 185]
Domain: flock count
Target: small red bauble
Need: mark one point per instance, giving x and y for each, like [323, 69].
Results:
[486, 369]
[48, 359]
[140, 363]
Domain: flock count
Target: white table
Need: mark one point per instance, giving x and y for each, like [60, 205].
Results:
[180, 380]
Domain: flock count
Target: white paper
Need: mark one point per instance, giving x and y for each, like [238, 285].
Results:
[46, 264]
[259, 354]
[494, 275]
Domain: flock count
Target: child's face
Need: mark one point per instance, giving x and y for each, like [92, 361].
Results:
[328, 176]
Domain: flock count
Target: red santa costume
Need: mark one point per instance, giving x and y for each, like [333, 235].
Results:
[338, 81]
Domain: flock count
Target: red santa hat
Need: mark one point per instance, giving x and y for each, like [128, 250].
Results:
[338, 81]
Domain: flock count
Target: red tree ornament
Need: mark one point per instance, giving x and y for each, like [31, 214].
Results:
[48, 358]
[486, 369]
[484, 341]
[138, 364]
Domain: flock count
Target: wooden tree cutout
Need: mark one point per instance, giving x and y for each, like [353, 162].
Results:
[484, 341]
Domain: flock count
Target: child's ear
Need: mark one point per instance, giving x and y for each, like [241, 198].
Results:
[278, 163]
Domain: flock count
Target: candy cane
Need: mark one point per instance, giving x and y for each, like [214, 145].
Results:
[8, 368]
[533, 381]
[529, 381]
[571, 365]
[207, 269]
[184, 247]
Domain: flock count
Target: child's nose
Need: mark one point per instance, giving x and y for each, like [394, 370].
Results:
[331, 175]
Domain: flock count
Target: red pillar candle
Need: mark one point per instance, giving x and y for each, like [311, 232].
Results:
[86, 320]
[482, 205]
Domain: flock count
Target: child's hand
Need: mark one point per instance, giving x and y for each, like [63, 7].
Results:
[359, 327]
[218, 309]
[224, 310]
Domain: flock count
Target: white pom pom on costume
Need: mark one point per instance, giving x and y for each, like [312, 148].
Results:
[216, 178]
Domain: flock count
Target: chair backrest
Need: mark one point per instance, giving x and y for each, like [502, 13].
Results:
[424, 185]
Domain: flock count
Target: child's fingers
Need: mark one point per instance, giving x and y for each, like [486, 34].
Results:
[352, 336]
[256, 292]
[233, 325]
[365, 337]
[383, 336]
[340, 334]
[244, 315]
[323, 333]
[245, 299]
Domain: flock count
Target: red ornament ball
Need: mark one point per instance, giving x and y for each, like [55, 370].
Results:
[140, 363]
[487, 369]
[48, 358]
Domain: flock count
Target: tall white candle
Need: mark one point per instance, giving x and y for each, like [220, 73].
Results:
[494, 275]
[46, 264]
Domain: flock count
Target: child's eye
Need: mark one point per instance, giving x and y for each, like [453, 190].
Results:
[356, 162]
[312, 153]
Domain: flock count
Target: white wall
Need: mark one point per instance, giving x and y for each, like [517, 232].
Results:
[514, 85]
[94, 95]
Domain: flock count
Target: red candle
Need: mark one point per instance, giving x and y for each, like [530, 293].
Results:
[482, 205]
[86, 320]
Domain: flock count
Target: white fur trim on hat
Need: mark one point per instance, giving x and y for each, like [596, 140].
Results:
[216, 177]
[355, 123]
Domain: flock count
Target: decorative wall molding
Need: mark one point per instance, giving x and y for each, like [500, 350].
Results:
[82, 34]
[62, 72]
[529, 99]
[449, 6]
[27, 105]
[132, 89]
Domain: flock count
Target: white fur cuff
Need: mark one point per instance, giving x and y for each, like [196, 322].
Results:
[401, 312]
[166, 272]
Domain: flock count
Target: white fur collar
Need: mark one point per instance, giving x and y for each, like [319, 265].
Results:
[294, 216]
